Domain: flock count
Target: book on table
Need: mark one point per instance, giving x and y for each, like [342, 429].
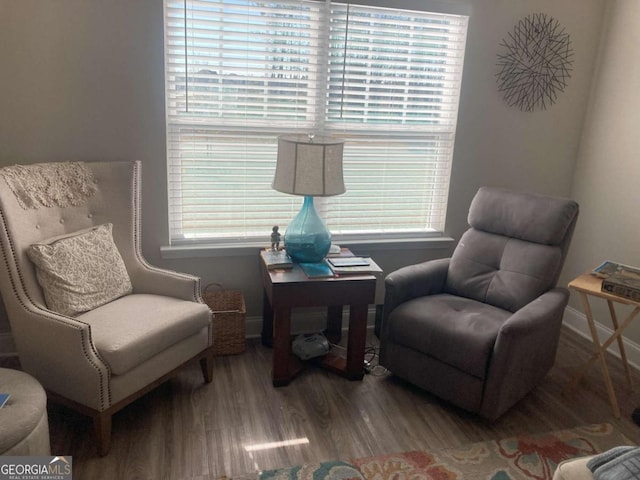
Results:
[339, 252]
[370, 268]
[349, 261]
[317, 270]
[276, 259]
[621, 280]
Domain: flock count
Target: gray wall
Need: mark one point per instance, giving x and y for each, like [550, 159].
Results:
[83, 80]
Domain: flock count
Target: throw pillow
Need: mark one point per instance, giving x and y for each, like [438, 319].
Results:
[80, 271]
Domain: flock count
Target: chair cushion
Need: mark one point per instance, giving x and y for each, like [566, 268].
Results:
[505, 272]
[80, 271]
[442, 326]
[134, 328]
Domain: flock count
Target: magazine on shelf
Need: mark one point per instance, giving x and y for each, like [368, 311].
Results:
[605, 269]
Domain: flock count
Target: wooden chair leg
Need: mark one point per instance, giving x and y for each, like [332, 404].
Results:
[102, 427]
[206, 364]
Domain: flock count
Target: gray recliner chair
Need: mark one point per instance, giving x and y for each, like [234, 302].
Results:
[481, 329]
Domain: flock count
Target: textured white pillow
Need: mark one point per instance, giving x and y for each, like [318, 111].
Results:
[80, 271]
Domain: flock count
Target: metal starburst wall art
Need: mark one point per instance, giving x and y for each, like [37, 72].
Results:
[534, 63]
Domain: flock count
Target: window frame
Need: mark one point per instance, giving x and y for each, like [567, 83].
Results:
[398, 238]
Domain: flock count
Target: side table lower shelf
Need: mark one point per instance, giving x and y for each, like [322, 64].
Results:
[331, 362]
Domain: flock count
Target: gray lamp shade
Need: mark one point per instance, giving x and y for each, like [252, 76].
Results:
[309, 165]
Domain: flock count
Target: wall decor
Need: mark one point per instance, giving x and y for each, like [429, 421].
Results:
[534, 63]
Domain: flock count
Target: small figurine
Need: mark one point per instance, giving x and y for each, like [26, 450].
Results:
[275, 238]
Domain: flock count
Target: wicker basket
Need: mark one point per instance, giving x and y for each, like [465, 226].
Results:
[228, 321]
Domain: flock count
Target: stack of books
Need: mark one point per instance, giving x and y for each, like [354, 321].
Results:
[619, 279]
[338, 263]
[353, 265]
[340, 266]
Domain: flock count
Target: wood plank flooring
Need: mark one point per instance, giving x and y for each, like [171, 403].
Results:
[186, 429]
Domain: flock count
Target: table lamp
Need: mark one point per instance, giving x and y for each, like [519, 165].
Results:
[308, 165]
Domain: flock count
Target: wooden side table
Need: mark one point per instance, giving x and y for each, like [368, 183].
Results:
[589, 285]
[288, 289]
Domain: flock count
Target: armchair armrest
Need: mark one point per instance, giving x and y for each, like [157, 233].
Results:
[53, 345]
[149, 279]
[525, 350]
[414, 281]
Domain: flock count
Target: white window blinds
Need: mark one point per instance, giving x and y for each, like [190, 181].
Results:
[239, 73]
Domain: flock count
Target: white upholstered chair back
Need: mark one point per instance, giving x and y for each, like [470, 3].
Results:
[116, 200]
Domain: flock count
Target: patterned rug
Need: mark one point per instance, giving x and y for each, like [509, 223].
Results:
[523, 457]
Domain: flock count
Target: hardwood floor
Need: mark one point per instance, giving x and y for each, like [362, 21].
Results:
[188, 429]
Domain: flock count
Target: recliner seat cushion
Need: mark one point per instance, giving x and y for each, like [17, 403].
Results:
[458, 331]
[134, 328]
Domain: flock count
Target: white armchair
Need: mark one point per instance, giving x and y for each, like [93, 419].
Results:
[98, 360]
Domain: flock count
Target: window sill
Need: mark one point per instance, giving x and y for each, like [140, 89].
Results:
[252, 248]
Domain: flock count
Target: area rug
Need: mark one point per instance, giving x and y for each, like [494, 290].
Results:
[522, 457]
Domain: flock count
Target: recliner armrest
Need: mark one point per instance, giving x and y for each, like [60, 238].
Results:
[524, 351]
[414, 281]
[527, 320]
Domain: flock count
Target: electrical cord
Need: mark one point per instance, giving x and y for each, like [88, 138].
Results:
[370, 356]
[371, 368]
[371, 362]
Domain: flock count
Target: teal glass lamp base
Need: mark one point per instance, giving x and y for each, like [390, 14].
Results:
[307, 238]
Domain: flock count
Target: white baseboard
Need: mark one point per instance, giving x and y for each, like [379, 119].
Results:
[577, 321]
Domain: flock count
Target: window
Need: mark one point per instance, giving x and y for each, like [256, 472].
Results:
[241, 72]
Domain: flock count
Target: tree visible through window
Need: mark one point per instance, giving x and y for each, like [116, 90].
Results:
[239, 73]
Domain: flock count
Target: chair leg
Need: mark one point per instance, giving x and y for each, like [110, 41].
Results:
[102, 427]
[206, 364]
